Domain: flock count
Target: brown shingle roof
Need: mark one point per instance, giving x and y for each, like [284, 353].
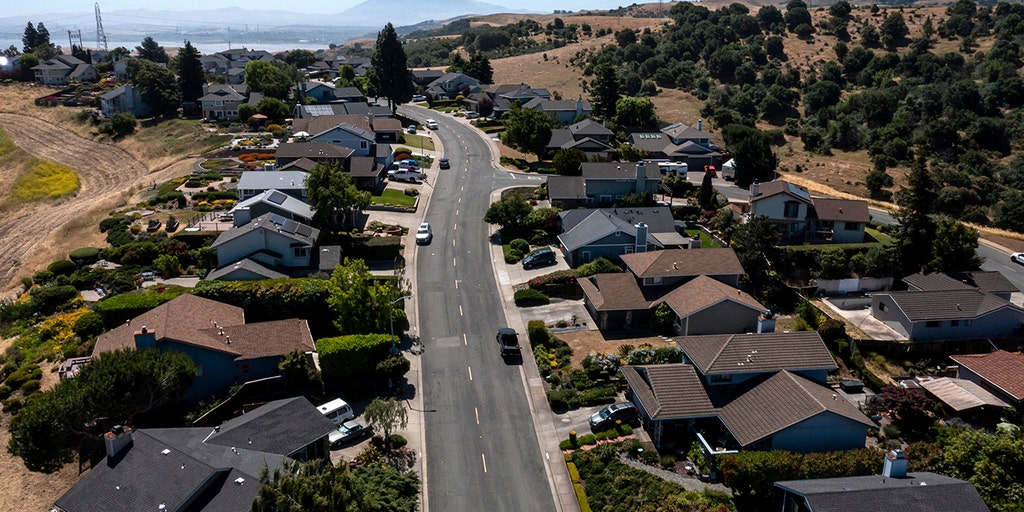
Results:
[703, 292]
[751, 353]
[1002, 369]
[684, 262]
[847, 210]
[781, 401]
[669, 391]
[265, 339]
[987, 281]
[177, 319]
[386, 124]
[771, 188]
[922, 306]
[614, 292]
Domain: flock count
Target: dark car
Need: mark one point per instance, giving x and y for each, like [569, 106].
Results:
[539, 258]
[443, 163]
[606, 417]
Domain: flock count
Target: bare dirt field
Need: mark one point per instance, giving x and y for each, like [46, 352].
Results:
[585, 342]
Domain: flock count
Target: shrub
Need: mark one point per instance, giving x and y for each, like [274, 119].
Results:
[345, 358]
[5, 391]
[520, 245]
[538, 334]
[13, 405]
[30, 386]
[668, 461]
[377, 248]
[396, 441]
[42, 277]
[110, 222]
[599, 266]
[84, 255]
[587, 440]
[557, 277]
[47, 299]
[511, 255]
[529, 297]
[598, 395]
[566, 444]
[118, 309]
[562, 399]
[24, 374]
[88, 325]
[273, 299]
[62, 267]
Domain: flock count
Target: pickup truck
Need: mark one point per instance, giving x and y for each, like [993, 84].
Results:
[508, 341]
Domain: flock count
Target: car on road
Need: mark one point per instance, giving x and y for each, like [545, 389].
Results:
[1017, 257]
[348, 432]
[508, 341]
[444, 163]
[424, 234]
[431, 124]
[539, 258]
[419, 97]
[606, 417]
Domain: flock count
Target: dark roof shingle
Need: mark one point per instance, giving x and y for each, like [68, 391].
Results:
[684, 262]
[751, 353]
[669, 391]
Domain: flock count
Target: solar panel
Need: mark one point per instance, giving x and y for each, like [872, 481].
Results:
[289, 226]
[277, 197]
[319, 110]
[277, 219]
[304, 230]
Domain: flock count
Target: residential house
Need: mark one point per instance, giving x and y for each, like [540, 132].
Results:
[425, 77]
[272, 201]
[992, 282]
[999, 372]
[225, 349]
[121, 68]
[503, 96]
[330, 68]
[708, 306]
[564, 112]
[963, 398]
[343, 108]
[321, 92]
[349, 94]
[230, 64]
[221, 101]
[749, 392]
[602, 183]
[367, 172]
[670, 268]
[947, 314]
[908, 492]
[800, 217]
[198, 468]
[592, 138]
[271, 240]
[125, 98]
[254, 183]
[451, 85]
[350, 131]
[64, 68]
[679, 143]
[588, 234]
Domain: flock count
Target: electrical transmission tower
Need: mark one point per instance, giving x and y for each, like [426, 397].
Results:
[101, 37]
[73, 37]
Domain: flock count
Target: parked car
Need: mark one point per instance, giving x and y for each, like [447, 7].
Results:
[424, 234]
[443, 163]
[409, 162]
[431, 124]
[606, 417]
[472, 115]
[539, 258]
[411, 128]
[405, 175]
[508, 341]
[419, 97]
[1017, 257]
[348, 431]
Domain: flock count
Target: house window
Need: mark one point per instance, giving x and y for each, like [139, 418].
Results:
[362, 144]
[627, 249]
[792, 209]
[882, 307]
[852, 226]
[721, 378]
[301, 252]
[967, 323]
[200, 370]
[932, 323]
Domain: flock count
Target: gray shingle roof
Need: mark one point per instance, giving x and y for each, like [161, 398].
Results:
[918, 492]
[247, 265]
[986, 281]
[751, 353]
[651, 142]
[272, 222]
[684, 262]
[658, 218]
[781, 401]
[281, 426]
[589, 128]
[279, 200]
[617, 171]
[599, 224]
[560, 137]
[669, 391]
[921, 306]
[566, 187]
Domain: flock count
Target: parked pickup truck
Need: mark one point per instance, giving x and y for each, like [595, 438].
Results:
[508, 341]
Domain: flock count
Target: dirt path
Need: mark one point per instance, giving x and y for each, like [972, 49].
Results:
[35, 235]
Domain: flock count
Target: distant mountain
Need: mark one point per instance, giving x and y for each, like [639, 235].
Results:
[380, 12]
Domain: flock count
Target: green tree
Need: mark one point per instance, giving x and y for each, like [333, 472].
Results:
[191, 76]
[510, 212]
[751, 152]
[157, 87]
[386, 416]
[168, 265]
[706, 196]
[392, 78]
[25, 65]
[31, 38]
[115, 386]
[269, 78]
[275, 109]
[152, 51]
[297, 371]
[527, 130]
[754, 243]
[567, 161]
[797, 14]
[334, 196]
[319, 486]
[604, 90]
[832, 264]
[299, 58]
[636, 112]
[916, 229]
[661, 319]
[361, 302]
[954, 246]
[630, 153]
[893, 30]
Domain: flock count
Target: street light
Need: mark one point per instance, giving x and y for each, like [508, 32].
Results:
[391, 322]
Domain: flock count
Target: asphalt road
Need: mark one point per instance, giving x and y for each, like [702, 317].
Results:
[482, 451]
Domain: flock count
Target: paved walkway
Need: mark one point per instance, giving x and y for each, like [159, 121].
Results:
[690, 484]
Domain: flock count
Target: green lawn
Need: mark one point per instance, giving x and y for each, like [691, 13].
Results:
[394, 197]
[415, 142]
[219, 164]
[706, 242]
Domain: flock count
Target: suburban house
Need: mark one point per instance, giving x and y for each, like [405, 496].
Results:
[343, 108]
[592, 138]
[802, 218]
[451, 85]
[679, 143]
[602, 183]
[503, 96]
[670, 268]
[330, 68]
[747, 392]
[199, 468]
[367, 172]
[320, 92]
[349, 94]
[894, 488]
[271, 240]
[271, 201]
[221, 101]
[254, 183]
[351, 131]
[425, 77]
[940, 306]
[231, 63]
[588, 234]
[707, 306]
[64, 68]
[964, 398]
[224, 348]
[999, 372]
[564, 112]
[125, 98]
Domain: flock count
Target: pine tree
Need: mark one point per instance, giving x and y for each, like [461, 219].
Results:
[392, 78]
[152, 51]
[190, 73]
[30, 38]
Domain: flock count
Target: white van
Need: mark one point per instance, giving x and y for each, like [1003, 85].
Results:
[667, 168]
[337, 410]
[729, 170]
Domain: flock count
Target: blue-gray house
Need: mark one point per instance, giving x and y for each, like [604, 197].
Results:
[602, 184]
[225, 349]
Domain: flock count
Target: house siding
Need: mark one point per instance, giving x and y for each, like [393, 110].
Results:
[340, 137]
[884, 309]
[610, 191]
[262, 239]
[612, 247]
[218, 370]
[824, 432]
[842, 235]
[726, 317]
[1001, 323]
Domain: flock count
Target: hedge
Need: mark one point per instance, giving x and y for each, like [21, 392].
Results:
[273, 299]
[84, 255]
[376, 248]
[561, 399]
[556, 277]
[197, 239]
[118, 309]
[754, 473]
[529, 297]
[46, 299]
[346, 358]
[598, 395]
[538, 333]
[62, 267]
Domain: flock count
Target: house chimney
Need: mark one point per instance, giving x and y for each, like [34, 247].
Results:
[700, 125]
[116, 441]
[765, 322]
[755, 189]
[640, 245]
[895, 465]
[145, 338]
[641, 178]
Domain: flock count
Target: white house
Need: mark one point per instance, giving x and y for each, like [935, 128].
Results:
[270, 240]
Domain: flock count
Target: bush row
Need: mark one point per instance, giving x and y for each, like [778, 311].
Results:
[346, 358]
[528, 297]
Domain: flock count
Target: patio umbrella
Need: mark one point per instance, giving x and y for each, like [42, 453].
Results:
[301, 134]
[259, 116]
